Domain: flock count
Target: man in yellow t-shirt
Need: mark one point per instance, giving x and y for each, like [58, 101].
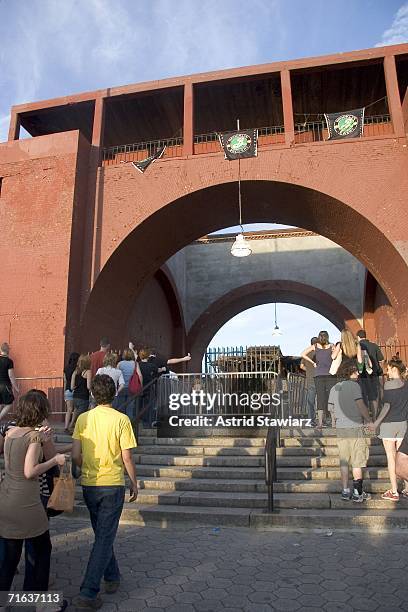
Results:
[103, 442]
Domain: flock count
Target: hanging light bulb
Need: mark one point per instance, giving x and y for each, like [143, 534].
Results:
[241, 247]
[276, 330]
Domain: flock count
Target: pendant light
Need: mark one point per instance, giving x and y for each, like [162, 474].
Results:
[241, 246]
[276, 330]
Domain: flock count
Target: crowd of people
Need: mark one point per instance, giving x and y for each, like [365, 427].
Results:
[364, 396]
[120, 366]
[101, 451]
[345, 382]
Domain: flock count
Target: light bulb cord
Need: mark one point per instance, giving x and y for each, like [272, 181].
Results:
[239, 195]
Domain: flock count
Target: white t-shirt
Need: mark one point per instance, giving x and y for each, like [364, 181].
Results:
[115, 374]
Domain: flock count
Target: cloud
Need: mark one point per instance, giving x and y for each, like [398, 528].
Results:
[398, 32]
[52, 49]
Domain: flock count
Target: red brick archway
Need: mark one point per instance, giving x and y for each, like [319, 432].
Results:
[255, 294]
[173, 224]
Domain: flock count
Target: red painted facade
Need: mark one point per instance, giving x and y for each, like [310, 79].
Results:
[83, 240]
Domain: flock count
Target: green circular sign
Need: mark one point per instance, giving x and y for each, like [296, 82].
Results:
[238, 143]
[345, 124]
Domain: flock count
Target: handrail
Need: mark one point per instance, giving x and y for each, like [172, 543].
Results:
[271, 444]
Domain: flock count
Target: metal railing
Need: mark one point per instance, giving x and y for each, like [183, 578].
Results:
[272, 442]
[297, 395]
[315, 131]
[395, 349]
[209, 143]
[270, 130]
[53, 387]
[271, 476]
[227, 390]
[141, 150]
[308, 131]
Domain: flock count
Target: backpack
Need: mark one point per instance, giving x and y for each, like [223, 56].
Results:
[135, 386]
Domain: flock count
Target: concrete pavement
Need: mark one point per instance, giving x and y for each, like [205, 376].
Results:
[200, 569]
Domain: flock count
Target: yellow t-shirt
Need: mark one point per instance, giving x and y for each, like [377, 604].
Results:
[104, 433]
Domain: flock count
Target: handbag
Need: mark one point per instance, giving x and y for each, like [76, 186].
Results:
[336, 363]
[135, 386]
[47, 487]
[63, 496]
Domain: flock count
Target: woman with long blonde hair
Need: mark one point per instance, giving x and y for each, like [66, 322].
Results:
[349, 346]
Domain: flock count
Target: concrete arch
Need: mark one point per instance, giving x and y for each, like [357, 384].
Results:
[173, 224]
[255, 294]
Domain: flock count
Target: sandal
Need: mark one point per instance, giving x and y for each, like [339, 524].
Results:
[404, 493]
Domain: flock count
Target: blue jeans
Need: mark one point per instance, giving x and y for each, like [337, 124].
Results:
[148, 404]
[125, 402]
[311, 400]
[105, 507]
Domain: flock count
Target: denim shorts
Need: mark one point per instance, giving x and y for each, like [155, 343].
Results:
[80, 405]
[68, 395]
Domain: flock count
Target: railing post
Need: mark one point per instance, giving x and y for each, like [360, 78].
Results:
[394, 101]
[188, 123]
[287, 107]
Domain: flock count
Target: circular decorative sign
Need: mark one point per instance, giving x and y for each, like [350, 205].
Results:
[238, 143]
[345, 124]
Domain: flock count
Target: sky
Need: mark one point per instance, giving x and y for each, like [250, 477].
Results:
[52, 48]
[255, 326]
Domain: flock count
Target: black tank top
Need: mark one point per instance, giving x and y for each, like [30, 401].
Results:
[81, 389]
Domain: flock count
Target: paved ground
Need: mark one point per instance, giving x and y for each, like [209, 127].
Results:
[198, 570]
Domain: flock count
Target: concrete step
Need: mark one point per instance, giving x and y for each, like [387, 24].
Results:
[316, 441]
[247, 461]
[249, 486]
[224, 442]
[253, 486]
[253, 451]
[355, 518]
[284, 473]
[167, 515]
[259, 500]
[230, 451]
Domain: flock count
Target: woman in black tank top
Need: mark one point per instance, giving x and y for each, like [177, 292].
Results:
[81, 385]
[324, 381]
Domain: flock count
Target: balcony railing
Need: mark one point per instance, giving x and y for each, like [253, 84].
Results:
[309, 131]
[113, 156]
[315, 131]
[209, 143]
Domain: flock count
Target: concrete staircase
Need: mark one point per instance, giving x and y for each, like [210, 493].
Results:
[220, 481]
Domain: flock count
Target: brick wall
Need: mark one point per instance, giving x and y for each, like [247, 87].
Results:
[39, 194]
[351, 192]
